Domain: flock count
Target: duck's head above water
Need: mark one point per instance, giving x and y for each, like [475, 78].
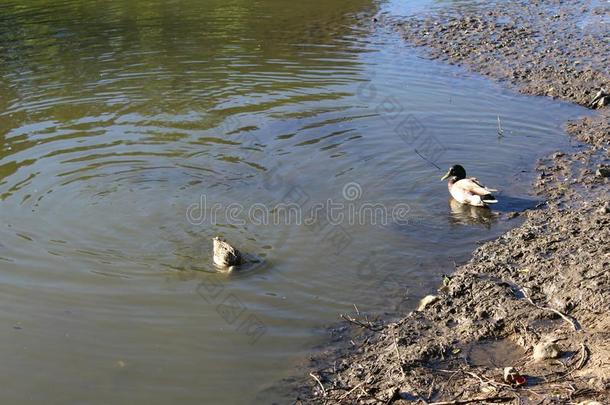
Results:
[455, 173]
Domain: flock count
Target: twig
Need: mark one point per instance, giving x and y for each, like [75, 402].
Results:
[487, 380]
[533, 392]
[478, 377]
[448, 381]
[368, 326]
[427, 160]
[573, 322]
[398, 355]
[356, 308]
[319, 383]
[584, 356]
[475, 375]
[471, 400]
[500, 130]
[350, 391]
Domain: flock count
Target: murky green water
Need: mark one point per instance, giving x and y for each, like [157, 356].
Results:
[116, 117]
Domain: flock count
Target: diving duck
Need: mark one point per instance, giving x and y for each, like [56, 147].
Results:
[468, 190]
[225, 255]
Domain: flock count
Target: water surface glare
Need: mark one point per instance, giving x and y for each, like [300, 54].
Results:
[118, 117]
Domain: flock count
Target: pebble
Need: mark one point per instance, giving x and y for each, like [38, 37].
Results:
[546, 350]
[426, 301]
[603, 171]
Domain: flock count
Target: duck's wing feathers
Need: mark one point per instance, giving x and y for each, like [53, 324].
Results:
[476, 187]
[470, 191]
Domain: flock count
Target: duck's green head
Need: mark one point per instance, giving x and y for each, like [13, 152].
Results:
[456, 171]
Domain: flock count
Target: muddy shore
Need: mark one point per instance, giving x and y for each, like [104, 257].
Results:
[536, 299]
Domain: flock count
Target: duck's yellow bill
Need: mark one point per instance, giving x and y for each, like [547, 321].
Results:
[445, 176]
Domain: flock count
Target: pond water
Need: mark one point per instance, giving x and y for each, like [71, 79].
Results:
[131, 133]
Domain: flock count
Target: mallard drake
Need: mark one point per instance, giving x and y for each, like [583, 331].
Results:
[468, 190]
[226, 255]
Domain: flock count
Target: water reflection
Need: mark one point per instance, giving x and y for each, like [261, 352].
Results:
[464, 214]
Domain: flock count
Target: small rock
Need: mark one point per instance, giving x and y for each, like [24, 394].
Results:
[603, 171]
[559, 304]
[528, 236]
[602, 102]
[605, 209]
[426, 301]
[513, 377]
[601, 99]
[546, 350]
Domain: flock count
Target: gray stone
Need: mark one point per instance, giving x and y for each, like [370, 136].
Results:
[546, 350]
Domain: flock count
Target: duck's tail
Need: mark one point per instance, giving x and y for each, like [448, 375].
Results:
[489, 199]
